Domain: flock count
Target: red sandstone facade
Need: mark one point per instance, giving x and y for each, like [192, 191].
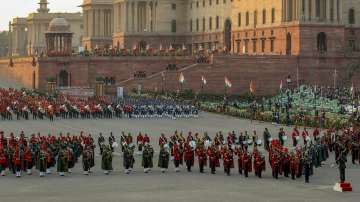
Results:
[265, 71]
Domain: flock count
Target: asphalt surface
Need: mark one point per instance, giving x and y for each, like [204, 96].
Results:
[171, 186]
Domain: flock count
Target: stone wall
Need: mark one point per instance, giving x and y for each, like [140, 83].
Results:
[265, 71]
[82, 71]
[23, 71]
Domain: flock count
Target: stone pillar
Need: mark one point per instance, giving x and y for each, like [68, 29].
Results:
[335, 11]
[313, 10]
[95, 18]
[103, 25]
[295, 10]
[136, 17]
[328, 11]
[116, 16]
[154, 19]
[132, 15]
[306, 14]
[286, 10]
[127, 20]
[111, 22]
[123, 17]
[283, 11]
[91, 23]
[148, 16]
[340, 16]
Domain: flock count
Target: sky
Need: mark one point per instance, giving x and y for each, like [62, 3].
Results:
[21, 8]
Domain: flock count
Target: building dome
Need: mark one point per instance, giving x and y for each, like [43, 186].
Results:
[59, 25]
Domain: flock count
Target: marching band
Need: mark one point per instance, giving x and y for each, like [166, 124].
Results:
[23, 154]
[24, 104]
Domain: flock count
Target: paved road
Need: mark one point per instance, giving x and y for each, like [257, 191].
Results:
[158, 187]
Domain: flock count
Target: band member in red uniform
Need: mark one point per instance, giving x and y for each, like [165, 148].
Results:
[294, 165]
[177, 157]
[16, 160]
[239, 153]
[275, 164]
[213, 155]
[305, 135]
[28, 160]
[259, 163]
[201, 153]
[189, 156]
[316, 133]
[140, 142]
[246, 163]
[228, 160]
[146, 139]
[162, 140]
[295, 136]
[285, 162]
[3, 160]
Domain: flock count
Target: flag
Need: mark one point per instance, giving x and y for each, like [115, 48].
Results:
[203, 80]
[183, 47]
[134, 47]
[281, 85]
[227, 83]
[163, 76]
[181, 78]
[148, 47]
[252, 87]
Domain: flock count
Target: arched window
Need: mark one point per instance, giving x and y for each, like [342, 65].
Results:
[288, 44]
[321, 42]
[351, 16]
[63, 78]
[227, 34]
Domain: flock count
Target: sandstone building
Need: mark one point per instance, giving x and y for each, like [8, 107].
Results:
[28, 33]
[314, 42]
[276, 27]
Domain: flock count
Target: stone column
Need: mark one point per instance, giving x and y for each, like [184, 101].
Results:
[340, 16]
[136, 16]
[328, 11]
[111, 22]
[313, 10]
[132, 15]
[103, 25]
[127, 20]
[286, 10]
[96, 17]
[295, 10]
[123, 17]
[306, 14]
[85, 23]
[335, 11]
[116, 16]
[148, 16]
